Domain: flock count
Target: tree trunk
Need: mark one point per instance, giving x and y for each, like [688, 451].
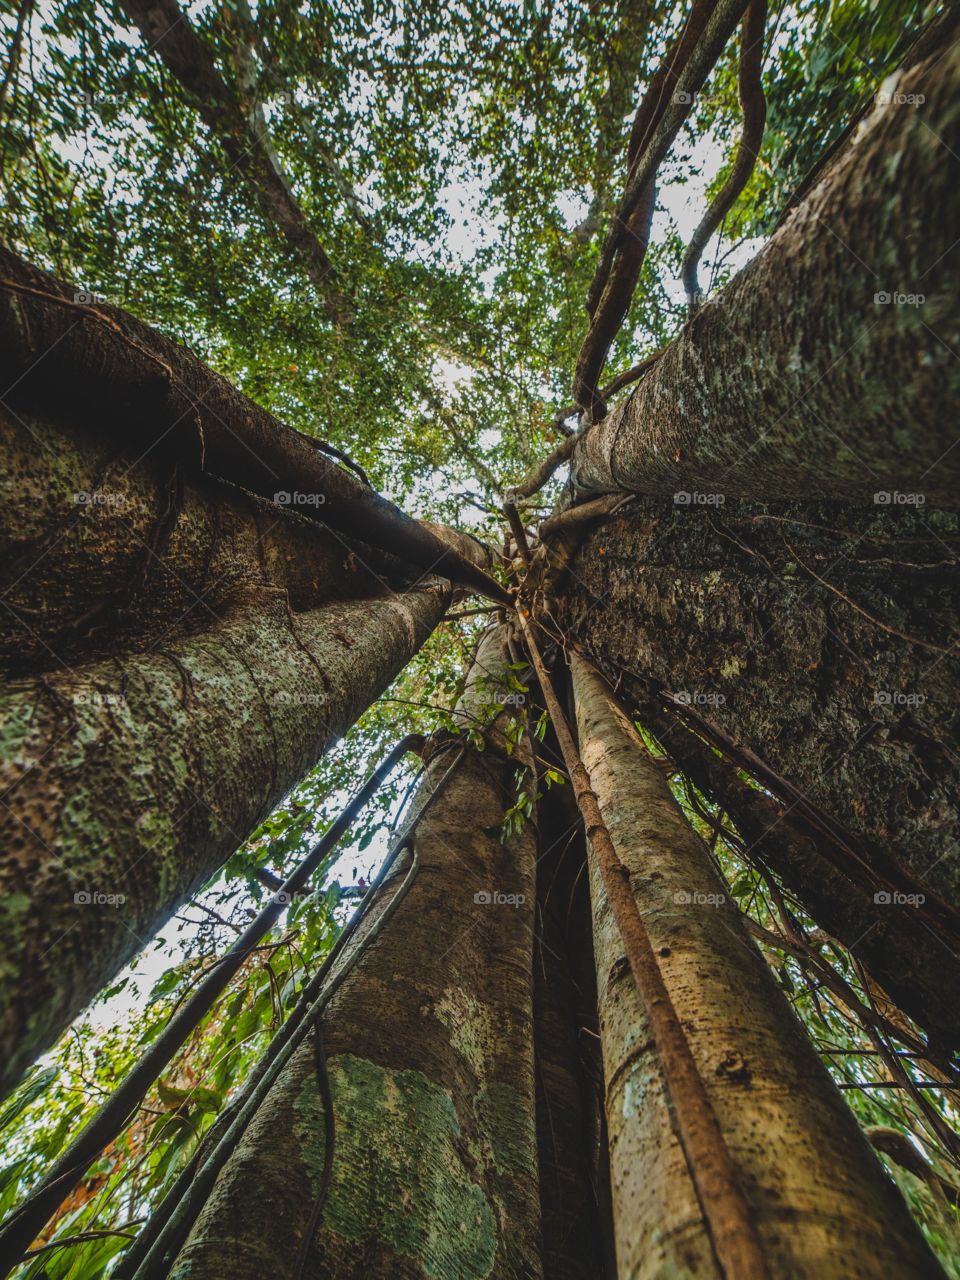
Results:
[63, 355]
[827, 366]
[127, 782]
[102, 553]
[821, 1202]
[428, 1049]
[841, 685]
[915, 964]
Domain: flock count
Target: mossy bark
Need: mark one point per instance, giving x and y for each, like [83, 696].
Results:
[105, 549]
[841, 685]
[128, 781]
[822, 1204]
[817, 370]
[429, 1052]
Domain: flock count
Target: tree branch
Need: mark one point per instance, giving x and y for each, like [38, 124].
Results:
[241, 129]
[754, 118]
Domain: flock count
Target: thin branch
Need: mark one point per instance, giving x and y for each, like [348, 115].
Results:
[240, 127]
[754, 106]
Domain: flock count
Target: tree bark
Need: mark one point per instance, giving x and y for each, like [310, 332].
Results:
[914, 964]
[103, 554]
[718, 607]
[819, 1197]
[127, 782]
[795, 380]
[63, 356]
[428, 1050]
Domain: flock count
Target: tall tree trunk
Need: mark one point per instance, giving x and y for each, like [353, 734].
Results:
[842, 685]
[574, 1179]
[428, 1050]
[817, 370]
[914, 962]
[818, 1194]
[127, 782]
[103, 553]
[63, 356]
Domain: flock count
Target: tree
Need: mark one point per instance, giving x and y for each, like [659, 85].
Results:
[204, 594]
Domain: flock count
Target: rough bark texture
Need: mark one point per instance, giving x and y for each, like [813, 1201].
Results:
[822, 1204]
[135, 777]
[721, 610]
[795, 379]
[428, 1048]
[574, 1195]
[906, 954]
[101, 553]
[62, 356]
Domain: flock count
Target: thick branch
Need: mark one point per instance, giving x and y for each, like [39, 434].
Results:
[155, 394]
[661, 115]
[242, 132]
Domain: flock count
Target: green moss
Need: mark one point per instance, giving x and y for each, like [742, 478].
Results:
[398, 1168]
